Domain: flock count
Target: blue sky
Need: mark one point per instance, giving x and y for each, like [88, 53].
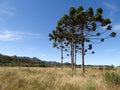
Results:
[25, 25]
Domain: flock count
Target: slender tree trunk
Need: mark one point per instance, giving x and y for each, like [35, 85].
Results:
[61, 56]
[83, 53]
[75, 57]
[72, 55]
[83, 68]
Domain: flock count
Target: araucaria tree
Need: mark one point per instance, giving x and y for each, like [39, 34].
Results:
[78, 30]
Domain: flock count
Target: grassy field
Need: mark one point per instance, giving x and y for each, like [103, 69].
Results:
[29, 78]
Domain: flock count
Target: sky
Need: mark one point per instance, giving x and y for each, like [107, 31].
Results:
[25, 25]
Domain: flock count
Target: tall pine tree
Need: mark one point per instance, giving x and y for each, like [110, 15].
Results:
[80, 29]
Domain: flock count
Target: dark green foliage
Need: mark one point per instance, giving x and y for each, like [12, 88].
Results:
[110, 67]
[112, 79]
[99, 10]
[21, 61]
[93, 52]
[102, 40]
[113, 34]
[105, 22]
[109, 27]
[72, 11]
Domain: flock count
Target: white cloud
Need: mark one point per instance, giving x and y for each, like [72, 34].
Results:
[8, 35]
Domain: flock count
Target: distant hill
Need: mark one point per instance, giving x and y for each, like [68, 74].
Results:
[24, 61]
[6, 60]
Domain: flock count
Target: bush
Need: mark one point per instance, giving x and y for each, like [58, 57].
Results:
[110, 67]
[112, 79]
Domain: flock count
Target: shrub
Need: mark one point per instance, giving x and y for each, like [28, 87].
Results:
[110, 67]
[112, 79]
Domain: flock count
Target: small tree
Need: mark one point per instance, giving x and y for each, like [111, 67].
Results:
[58, 41]
[82, 28]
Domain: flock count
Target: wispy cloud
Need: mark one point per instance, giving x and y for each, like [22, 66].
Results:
[116, 27]
[6, 10]
[111, 50]
[32, 48]
[115, 52]
[8, 35]
[44, 55]
[113, 8]
[110, 6]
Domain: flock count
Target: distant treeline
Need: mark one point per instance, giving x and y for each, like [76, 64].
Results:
[36, 62]
[21, 61]
[6, 60]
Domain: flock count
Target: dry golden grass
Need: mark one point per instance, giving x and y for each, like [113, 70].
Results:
[29, 78]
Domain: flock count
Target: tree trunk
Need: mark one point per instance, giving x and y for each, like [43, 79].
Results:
[83, 69]
[75, 57]
[61, 56]
[83, 53]
[72, 55]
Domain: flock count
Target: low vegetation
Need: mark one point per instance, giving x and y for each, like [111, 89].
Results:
[36, 78]
[112, 78]
[20, 61]
[25, 61]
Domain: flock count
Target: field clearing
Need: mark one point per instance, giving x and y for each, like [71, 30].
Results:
[36, 78]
